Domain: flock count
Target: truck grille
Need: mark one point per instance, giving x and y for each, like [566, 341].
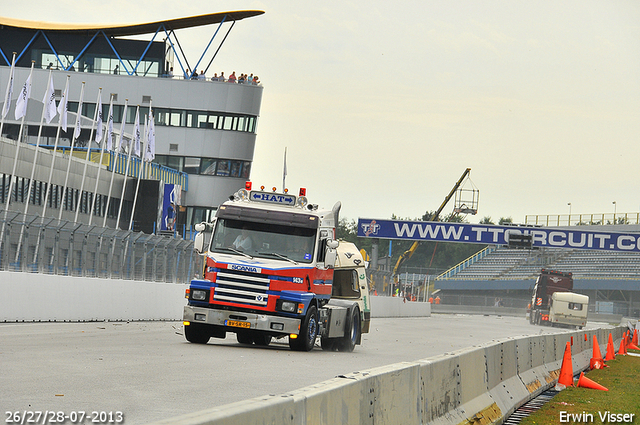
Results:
[241, 287]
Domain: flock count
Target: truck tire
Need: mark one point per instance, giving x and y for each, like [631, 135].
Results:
[196, 334]
[351, 333]
[244, 338]
[328, 344]
[308, 332]
[262, 339]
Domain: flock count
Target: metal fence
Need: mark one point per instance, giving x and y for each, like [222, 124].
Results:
[44, 245]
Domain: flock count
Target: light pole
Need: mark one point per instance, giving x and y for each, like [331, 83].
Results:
[615, 208]
[569, 203]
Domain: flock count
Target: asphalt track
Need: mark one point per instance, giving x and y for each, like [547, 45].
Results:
[149, 372]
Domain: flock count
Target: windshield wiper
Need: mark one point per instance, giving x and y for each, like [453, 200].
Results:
[226, 248]
[275, 254]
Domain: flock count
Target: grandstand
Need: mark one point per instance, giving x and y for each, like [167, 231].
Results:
[498, 271]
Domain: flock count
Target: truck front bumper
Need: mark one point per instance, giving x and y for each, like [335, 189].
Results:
[225, 318]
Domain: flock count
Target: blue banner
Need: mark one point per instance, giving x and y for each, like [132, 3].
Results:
[489, 234]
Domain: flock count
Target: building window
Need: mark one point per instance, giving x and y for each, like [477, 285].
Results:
[208, 166]
[191, 165]
[223, 168]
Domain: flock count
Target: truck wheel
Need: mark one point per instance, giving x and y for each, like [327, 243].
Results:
[308, 332]
[244, 338]
[351, 332]
[328, 344]
[196, 334]
[262, 339]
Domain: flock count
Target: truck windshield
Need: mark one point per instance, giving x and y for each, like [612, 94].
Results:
[287, 243]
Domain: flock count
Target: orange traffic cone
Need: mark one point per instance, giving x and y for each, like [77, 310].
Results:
[633, 344]
[566, 370]
[611, 354]
[585, 382]
[597, 362]
[622, 350]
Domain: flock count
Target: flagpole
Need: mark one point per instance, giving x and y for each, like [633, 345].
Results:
[284, 170]
[126, 174]
[45, 103]
[75, 135]
[109, 135]
[47, 99]
[113, 166]
[61, 109]
[7, 97]
[26, 90]
[87, 157]
[144, 146]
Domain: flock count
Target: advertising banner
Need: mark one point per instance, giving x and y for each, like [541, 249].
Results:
[170, 203]
[579, 238]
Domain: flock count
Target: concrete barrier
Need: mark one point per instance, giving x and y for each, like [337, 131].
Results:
[477, 385]
[41, 297]
[398, 307]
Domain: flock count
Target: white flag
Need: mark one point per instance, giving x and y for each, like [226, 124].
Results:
[110, 126]
[136, 134]
[150, 154]
[9, 93]
[50, 102]
[23, 99]
[99, 119]
[124, 118]
[63, 107]
[76, 131]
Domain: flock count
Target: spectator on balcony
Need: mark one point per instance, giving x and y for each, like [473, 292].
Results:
[232, 77]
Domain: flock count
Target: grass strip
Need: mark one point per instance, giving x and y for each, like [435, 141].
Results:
[576, 405]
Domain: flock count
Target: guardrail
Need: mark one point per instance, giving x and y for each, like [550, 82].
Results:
[43, 245]
[483, 384]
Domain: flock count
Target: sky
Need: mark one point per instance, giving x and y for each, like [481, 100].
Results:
[382, 105]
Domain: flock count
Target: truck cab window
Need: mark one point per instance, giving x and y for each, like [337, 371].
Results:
[345, 284]
[287, 243]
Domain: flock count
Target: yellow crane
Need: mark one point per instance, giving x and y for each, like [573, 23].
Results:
[462, 208]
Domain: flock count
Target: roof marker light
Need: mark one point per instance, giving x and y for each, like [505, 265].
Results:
[247, 185]
[286, 190]
[262, 187]
[303, 192]
[273, 189]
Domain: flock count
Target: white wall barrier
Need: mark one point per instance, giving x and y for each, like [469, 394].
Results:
[398, 307]
[41, 297]
[477, 385]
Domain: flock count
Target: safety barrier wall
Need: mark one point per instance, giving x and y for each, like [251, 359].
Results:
[398, 307]
[40, 297]
[482, 384]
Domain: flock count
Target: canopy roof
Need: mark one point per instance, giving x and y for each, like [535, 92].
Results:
[132, 29]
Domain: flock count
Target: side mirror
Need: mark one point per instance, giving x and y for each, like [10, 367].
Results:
[198, 242]
[331, 254]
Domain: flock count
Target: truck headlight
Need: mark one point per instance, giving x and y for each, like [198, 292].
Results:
[198, 295]
[288, 306]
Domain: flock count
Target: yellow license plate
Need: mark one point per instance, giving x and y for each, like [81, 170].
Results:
[237, 324]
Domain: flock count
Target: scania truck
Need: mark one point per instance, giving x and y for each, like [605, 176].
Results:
[273, 268]
[554, 304]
